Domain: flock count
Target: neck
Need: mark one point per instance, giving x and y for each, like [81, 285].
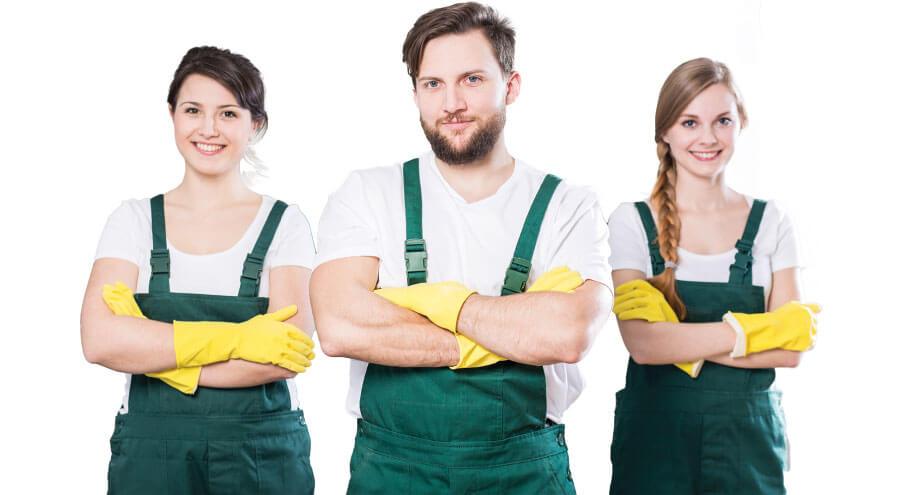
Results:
[481, 178]
[696, 193]
[210, 192]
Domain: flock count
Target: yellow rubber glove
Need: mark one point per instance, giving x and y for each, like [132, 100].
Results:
[474, 355]
[639, 300]
[121, 301]
[264, 339]
[792, 326]
[438, 301]
[560, 279]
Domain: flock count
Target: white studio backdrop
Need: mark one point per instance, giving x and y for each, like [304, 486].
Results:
[86, 126]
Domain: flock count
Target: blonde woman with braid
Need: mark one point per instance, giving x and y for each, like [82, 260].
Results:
[706, 318]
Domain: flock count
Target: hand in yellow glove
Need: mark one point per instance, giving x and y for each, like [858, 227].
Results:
[121, 301]
[639, 300]
[438, 301]
[264, 339]
[792, 326]
[560, 279]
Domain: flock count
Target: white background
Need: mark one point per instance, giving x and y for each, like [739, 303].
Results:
[85, 125]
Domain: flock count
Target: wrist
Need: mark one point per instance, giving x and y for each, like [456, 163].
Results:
[468, 317]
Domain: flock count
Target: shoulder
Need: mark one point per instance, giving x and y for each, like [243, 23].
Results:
[567, 197]
[132, 212]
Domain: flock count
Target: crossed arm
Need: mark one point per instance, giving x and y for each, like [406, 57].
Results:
[666, 343]
[535, 328]
[136, 345]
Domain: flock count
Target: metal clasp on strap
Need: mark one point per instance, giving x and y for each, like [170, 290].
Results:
[416, 260]
[742, 264]
[253, 267]
[516, 276]
[159, 261]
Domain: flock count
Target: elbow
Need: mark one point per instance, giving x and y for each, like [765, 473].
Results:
[792, 360]
[93, 353]
[330, 341]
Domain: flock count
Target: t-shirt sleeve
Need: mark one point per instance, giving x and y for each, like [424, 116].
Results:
[579, 237]
[119, 238]
[629, 247]
[786, 253]
[293, 244]
[347, 226]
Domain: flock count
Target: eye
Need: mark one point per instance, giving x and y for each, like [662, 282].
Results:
[473, 80]
[229, 114]
[192, 110]
[431, 84]
[725, 121]
[688, 123]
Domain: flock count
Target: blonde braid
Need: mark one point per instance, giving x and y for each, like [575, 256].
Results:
[663, 200]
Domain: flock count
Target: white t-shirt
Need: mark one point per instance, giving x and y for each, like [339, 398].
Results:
[472, 243]
[774, 249]
[128, 236]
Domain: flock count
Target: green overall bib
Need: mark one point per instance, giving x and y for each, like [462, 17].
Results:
[217, 441]
[471, 431]
[721, 433]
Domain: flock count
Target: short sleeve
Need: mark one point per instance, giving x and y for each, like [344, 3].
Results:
[293, 244]
[629, 246]
[120, 235]
[579, 236]
[786, 253]
[347, 226]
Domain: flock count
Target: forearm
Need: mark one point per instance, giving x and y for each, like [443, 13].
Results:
[537, 328]
[776, 358]
[361, 325]
[667, 343]
[238, 373]
[127, 344]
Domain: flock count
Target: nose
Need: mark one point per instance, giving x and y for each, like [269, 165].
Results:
[708, 135]
[208, 127]
[454, 101]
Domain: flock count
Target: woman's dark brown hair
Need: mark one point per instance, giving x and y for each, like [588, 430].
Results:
[233, 71]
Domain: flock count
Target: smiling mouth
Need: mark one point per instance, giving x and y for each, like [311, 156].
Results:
[705, 155]
[207, 148]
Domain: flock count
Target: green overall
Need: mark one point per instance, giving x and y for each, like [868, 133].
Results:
[217, 441]
[721, 433]
[471, 431]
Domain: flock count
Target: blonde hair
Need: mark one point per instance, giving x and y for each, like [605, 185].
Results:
[686, 82]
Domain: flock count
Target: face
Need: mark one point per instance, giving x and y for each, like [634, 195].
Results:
[701, 141]
[462, 94]
[211, 131]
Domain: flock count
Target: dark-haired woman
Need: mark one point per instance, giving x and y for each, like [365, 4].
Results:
[707, 279]
[210, 403]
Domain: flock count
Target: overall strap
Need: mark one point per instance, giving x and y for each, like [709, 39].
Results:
[414, 245]
[159, 255]
[741, 269]
[651, 233]
[253, 264]
[518, 272]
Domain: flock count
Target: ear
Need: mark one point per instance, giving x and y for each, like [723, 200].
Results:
[171, 111]
[513, 88]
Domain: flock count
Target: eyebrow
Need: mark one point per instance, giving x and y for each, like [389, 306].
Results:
[463, 74]
[696, 117]
[200, 105]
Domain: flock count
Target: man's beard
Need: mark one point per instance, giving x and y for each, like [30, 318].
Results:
[479, 145]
